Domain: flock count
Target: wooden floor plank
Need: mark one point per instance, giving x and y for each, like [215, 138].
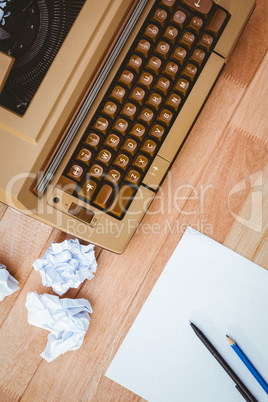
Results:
[19, 249]
[112, 392]
[3, 208]
[251, 47]
[248, 235]
[251, 115]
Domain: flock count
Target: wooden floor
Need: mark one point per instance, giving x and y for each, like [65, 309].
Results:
[220, 184]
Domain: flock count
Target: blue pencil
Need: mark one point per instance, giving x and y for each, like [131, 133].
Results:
[248, 364]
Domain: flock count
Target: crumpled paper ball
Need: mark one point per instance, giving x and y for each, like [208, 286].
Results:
[65, 265]
[8, 284]
[66, 319]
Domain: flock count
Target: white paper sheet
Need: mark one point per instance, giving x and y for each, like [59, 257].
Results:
[161, 358]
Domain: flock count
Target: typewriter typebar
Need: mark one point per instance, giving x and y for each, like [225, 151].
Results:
[109, 148]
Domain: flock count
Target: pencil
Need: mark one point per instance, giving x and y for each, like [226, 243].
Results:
[248, 363]
[240, 386]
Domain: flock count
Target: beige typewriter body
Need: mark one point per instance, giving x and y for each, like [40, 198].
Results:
[27, 142]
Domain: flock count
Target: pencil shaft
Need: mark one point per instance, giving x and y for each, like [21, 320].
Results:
[245, 392]
[250, 366]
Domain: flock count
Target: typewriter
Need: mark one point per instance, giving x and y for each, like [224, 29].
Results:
[96, 100]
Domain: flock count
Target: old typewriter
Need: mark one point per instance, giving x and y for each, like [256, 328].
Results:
[96, 99]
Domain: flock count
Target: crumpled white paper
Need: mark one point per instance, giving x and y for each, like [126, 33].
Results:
[65, 265]
[8, 284]
[66, 319]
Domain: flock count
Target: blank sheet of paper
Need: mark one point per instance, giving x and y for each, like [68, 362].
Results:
[161, 358]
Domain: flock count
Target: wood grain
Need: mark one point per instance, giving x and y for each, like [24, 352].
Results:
[3, 208]
[251, 47]
[214, 186]
[247, 236]
[251, 115]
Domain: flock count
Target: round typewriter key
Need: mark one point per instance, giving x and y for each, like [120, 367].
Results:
[162, 49]
[160, 16]
[143, 47]
[88, 189]
[190, 71]
[96, 171]
[149, 147]
[162, 85]
[171, 34]
[122, 161]
[93, 140]
[187, 39]
[152, 32]
[138, 95]
[138, 130]
[127, 78]
[174, 101]
[196, 24]
[198, 56]
[135, 62]
[179, 18]
[206, 42]
[130, 146]
[179, 55]
[171, 69]
[146, 79]
[129, 110]
[133, 176]
[157, 131]
[104, 156]
[76, 172]
[119, 94]
[113, 141]
[165, 117]
[102, 125]
[121, 125]
[146, 116]
[114, 176]
[182, 86]
[154, 100]
[110, 109]
[84, 156]
[141, 162]
[154, 64]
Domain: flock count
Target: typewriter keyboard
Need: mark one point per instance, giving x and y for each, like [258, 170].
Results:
[141, 104]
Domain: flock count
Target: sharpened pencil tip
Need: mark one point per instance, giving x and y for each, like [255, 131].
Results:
[230, 340]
